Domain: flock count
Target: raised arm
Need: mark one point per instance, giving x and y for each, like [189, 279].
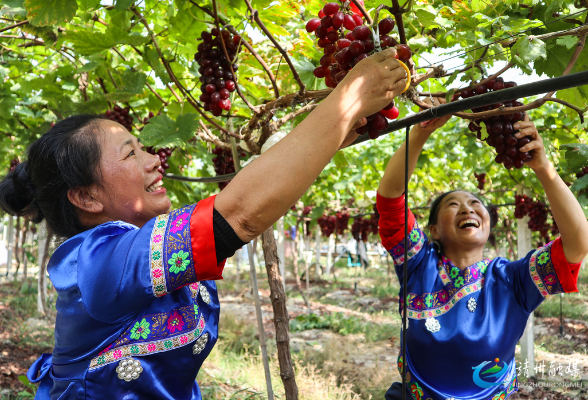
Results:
[565, 208]
[263, 191]
[392, 183]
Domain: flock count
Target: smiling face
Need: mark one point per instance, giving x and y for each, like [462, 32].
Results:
[130, 187]
[462, 222]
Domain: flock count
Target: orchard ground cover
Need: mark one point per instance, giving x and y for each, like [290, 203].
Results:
[345, 349]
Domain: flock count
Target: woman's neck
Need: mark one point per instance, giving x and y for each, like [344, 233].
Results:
[462, 258]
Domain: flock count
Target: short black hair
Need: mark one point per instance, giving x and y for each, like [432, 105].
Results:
[65, 157]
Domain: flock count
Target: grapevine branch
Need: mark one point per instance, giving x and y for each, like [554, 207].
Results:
[14, 26]
[255, 16]
[363, 11]
[397, 12]
[237, 87]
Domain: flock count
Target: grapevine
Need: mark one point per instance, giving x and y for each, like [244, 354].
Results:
[481, 180]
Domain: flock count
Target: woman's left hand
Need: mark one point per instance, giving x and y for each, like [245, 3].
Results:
[535, 147]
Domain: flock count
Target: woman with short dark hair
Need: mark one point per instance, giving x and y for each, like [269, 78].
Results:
[466, 313]
[137, 308]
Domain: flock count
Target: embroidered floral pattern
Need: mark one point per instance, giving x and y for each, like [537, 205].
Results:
[140, 330]
[179, 261]
[416, 241]
[543, 272]
[171, 252]
[157, 346]
[157, 277]
[454, 272]
[175, 322]
[179, 223]
[437, 303]
[416, 391]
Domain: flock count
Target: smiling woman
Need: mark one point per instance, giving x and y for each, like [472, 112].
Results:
[137, 308]
[467, 312]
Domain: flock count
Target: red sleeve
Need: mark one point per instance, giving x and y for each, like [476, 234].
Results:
[391, 224]
[567, 273]
[203, 248]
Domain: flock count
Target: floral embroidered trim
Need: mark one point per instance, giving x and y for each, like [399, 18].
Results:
[177, 250]
[416, 240]
[543, 272]
[140, 349]
[156, 256]
[465, 282]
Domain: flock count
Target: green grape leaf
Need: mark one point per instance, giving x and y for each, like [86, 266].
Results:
[123, 4]
[162, 131]
[568, 41]
[86, 5]
[525, 50]
[576, 155]
[88, 66]
[133, 84]
[50, 12]
[13, 8]
[580, 184]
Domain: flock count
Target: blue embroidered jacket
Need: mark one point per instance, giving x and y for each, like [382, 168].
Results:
[463, 325]
[135, 320]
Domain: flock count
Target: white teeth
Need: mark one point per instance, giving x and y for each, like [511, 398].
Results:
[469, 221]
[155, 186]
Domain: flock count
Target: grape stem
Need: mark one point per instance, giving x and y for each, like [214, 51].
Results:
[363, 11]
[255, 16]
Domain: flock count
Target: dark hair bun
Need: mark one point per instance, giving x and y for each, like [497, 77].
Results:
[17, 193]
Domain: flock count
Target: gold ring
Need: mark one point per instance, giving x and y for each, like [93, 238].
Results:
[407, 75]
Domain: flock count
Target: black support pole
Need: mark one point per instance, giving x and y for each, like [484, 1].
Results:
[500, 96]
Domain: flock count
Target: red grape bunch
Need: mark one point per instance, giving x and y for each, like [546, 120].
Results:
[163, 155]
[346, 41]
[522, 203]
[582, 172]
[146, 119]
[13, 163]
[224, 164]
[501, 132]
[306, 210]
[538, 212]
[342, 222]
[215, 69]
[120, 115]
[327, 224]
[481, 180]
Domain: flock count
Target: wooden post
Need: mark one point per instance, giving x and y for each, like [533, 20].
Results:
[281, 250]
[9, 243]
[317, 250]
[44, 242]
[330, 254]
[262, 344]
[281, 318]
[524, 246]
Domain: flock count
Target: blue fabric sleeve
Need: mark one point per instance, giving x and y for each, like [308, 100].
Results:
[531, 278]
[121, 269]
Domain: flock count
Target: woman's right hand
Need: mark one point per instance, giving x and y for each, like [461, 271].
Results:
[372, 84]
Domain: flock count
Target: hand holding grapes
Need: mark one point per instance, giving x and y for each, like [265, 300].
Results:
[372, 83]
[433, 125]
[535, 145]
